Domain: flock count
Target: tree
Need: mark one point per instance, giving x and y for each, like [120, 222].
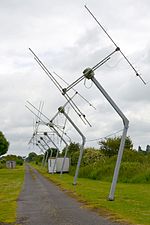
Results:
[72, 148]
[4, 144]
[91, 156]
[19, 160]
[54, 152]
[73, 152]
[110, 146]
[31, 157]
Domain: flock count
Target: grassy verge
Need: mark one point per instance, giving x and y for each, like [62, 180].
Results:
[132, 202]
[10, 185]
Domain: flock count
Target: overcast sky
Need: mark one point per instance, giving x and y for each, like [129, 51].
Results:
[68, 40]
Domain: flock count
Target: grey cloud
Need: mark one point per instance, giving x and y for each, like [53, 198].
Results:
[68, 40]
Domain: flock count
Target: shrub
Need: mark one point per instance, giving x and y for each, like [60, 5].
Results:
[135, 167]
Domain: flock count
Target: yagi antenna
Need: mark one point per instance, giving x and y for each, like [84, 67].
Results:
[50, 124]
[64, 126]
[49, 74]
[34, 114]
[100, 25]
[41, 120]
[38, 119]
[41, 105]
[42, 114]
[46, 153]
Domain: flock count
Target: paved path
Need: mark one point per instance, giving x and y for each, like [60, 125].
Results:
[42, 203]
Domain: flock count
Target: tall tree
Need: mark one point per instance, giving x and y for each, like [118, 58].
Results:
[73, 152]
[4, 144]
[110, 146]
[72, 148]
[54, 152]
[31, 157]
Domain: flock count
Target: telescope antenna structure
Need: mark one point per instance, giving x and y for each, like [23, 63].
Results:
[88, 73]
[41, 146]
[55, 147]
[56, 152]
[62, 139]
[53, 79]
[52, 126]
[36, 125]
[75, 90]
[46, 155]
[37, 144]
[62, 110]
[63, 163]
[50, 123]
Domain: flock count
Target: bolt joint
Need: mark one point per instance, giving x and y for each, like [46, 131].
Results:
[88, 73]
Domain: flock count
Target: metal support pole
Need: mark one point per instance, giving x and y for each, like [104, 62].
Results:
[89, 74]
[42, 164]
[56, 152]
[117, 167]
[46, 156]
[47, 149]
[45, 133]
[61, 110]
[44, 153]
[64, 159]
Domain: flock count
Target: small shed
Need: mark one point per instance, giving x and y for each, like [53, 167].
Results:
[58, 165]
[10, 164]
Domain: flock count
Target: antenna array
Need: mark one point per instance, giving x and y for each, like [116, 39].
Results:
[88, 73]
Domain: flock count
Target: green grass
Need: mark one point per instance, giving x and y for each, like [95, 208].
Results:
[132, 201]
[10, 185]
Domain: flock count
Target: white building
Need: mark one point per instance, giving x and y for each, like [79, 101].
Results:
[55, 165]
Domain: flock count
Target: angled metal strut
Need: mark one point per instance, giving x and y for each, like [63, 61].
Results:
[89, 74]
[61, 110]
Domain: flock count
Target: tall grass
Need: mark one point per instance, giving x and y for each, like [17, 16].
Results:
[135, 168]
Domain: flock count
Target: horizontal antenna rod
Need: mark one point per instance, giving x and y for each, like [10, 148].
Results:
[93, 68]
[137, 74]
[74, 90]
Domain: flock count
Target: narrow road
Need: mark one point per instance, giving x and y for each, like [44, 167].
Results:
[42, 203]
